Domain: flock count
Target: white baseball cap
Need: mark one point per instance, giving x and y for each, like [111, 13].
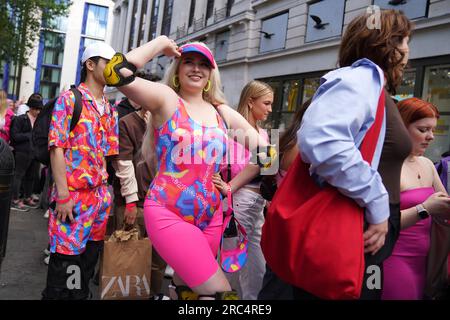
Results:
[98, 49]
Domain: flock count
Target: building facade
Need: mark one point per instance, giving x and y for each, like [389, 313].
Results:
[290, 44]
[54, 63]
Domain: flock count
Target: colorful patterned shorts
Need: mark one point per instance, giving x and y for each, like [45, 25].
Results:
[92, 208]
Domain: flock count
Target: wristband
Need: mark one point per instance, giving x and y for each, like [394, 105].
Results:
[65, 200]
[228, 188]
[130, 205]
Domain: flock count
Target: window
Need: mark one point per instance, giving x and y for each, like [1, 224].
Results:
[12, 79]
[2, 65]
[48, 75]
[154, 20]
[143, 22]
[209, 9]
[191, 13]
[133, 24]
[53, 48]
[167, 17]
[406, 89]
[436, 89]
[325, 20]
[412, 9]
[58, 23]
[289, 95]
[96, 21]
[273, 33]
[222, 45]
[229, 6]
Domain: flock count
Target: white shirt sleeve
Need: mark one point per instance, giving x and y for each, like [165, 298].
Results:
[128, 183]
[333, 126]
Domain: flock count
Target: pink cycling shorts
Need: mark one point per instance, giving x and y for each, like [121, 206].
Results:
[190, 251]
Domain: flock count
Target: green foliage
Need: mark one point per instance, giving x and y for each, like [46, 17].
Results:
[20, 25]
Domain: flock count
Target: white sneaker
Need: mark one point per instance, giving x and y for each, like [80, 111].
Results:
[46, 214]
[161, 297]
[46, 252]
[47, 260]
[169, 272]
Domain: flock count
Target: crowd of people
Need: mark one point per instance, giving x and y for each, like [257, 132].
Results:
[169, 154]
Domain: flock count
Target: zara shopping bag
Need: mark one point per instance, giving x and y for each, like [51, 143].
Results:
[126, 266]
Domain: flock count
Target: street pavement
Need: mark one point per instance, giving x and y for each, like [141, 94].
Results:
[23, 272]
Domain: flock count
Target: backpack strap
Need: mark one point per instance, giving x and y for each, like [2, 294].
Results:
[78, 107]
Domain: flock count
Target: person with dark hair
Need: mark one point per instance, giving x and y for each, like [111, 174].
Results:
[80, 202]
[26, 166]
[344, 107]
[273, 288]
[417, 268]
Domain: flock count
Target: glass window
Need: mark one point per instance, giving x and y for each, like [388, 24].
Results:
[97, 20]
[154, 21]
[273, 33]
[310, 85]
[133, 24]
[290, 95]
[53, 48]
[12, 84]
[436, 89]
[167, 17]
[143, 22]
[406, 89]
[2, 65]
[191, 13]
[49, 81]
[209, 8]
[229, 6]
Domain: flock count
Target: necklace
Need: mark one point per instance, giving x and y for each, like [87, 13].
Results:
[413, 169]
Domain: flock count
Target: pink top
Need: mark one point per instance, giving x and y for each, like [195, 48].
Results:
[188, 155]
[415, 240]
[405, 270]
[4, 132]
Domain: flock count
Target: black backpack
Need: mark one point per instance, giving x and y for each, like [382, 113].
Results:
[40, 132]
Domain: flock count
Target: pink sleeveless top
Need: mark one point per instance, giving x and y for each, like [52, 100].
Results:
[188, 155]
[405, 270]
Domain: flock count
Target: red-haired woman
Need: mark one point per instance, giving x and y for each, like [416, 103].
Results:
[424, 205]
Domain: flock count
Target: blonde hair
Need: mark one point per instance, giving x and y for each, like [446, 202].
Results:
[252, 90]
[214, 95]
[3, 103]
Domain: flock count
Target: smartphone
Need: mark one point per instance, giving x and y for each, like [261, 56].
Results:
[53, 207]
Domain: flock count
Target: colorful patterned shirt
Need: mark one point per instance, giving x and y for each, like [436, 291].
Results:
[93, 138]
[188, 155]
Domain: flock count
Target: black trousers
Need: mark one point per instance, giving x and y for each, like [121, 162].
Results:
[68, 276]
[274, 288]
[25, 173]
[373, 263]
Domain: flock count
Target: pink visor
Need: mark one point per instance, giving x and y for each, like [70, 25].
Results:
[199, 48]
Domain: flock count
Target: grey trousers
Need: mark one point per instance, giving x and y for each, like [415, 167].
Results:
[248, 210]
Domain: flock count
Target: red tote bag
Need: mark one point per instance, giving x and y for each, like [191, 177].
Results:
[313, 237]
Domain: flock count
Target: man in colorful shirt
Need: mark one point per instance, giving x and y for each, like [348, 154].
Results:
[81, 201]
